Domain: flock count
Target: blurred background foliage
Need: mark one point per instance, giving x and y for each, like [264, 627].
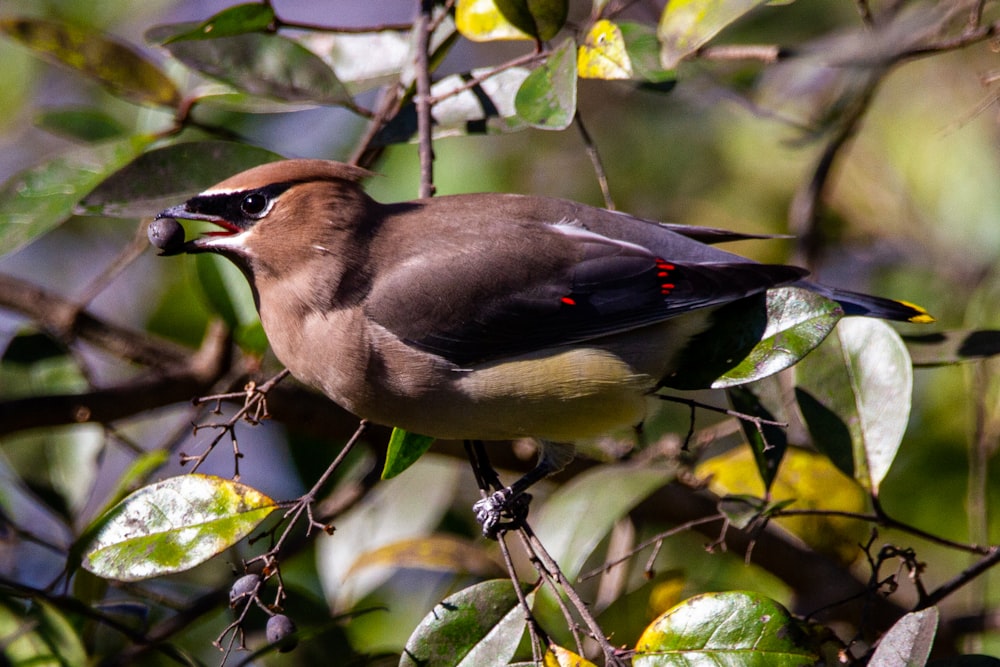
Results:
[911, 210]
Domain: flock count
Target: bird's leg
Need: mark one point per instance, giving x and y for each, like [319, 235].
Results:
[512, 501]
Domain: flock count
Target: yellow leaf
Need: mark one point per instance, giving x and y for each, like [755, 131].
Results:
[603, 55]
[812, 481]
[482, 21]
[557, 656]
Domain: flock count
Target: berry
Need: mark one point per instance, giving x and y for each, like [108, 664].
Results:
[243, 587]
[166, 234]
[281, 631]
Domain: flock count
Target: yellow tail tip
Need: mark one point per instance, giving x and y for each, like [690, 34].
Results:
[922, 316]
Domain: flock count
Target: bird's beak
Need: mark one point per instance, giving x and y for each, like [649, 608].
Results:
[214, 241]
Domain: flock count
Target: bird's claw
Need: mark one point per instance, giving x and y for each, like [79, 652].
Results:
[501, 510]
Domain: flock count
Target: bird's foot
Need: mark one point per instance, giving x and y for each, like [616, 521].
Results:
[501, 511]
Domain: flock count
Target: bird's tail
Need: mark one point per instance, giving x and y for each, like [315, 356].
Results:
[855, 303]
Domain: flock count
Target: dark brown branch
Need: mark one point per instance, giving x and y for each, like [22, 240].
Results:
[422, 27]
[65, 320]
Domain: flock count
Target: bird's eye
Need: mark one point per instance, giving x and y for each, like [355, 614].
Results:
[254, 204]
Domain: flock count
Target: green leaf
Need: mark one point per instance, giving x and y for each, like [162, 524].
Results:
[480, 625]
[403, 451]
[687, 25]
[731, 628]
[768, 442]
[224, 289]
[547, 98]
[39, 635]
[438, 553]
[908, 642]
[854, 393]
[539, 18]
[952, 347]
[267, 65]
[797, 321]
[87, 125]
[167, 176]
[604, 495]
[116, 65]
[236, 20]
[173, 526]
[39, 199]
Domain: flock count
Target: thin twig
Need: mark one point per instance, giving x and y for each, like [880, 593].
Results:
[595, 160]
[422, 27]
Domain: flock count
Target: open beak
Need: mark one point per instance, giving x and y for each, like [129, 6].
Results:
[171, 235]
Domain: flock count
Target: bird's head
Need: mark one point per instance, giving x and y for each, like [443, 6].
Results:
[292, 227]
[271, 215]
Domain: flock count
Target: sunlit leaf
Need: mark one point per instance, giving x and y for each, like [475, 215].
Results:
[405, 507]
[174, 525]
[604, 495]
[539, 18]
[443, 553]
[725, 628]
[854, 393]
[486, 108]
[908, 642]
[603, 54]
[797, 321]
[480, 625]
[806, 479]
[116, 65]
[363, 61]
[403, 450]
[41, 198]
[547, 98]
[236, 20]
[167, 176]
[687, 25]
[482, 21]
[268, 65]
[88, 125]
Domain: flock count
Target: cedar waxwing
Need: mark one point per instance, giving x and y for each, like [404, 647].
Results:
[483, 316]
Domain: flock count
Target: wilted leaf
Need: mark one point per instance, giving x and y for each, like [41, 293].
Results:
[687, 25]
[403, 450]
[547, 98]
[908, 642]
[167, 176]
[116, 65]
[39, 199]
[481, 625]
[482, 21]
[172, 526]
[604, 495]
[268, 65]
[797, 321]
[854, 393]
[236, 20]
[725, 628]
[539, 18]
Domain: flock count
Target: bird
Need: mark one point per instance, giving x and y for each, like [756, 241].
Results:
[484, 316]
